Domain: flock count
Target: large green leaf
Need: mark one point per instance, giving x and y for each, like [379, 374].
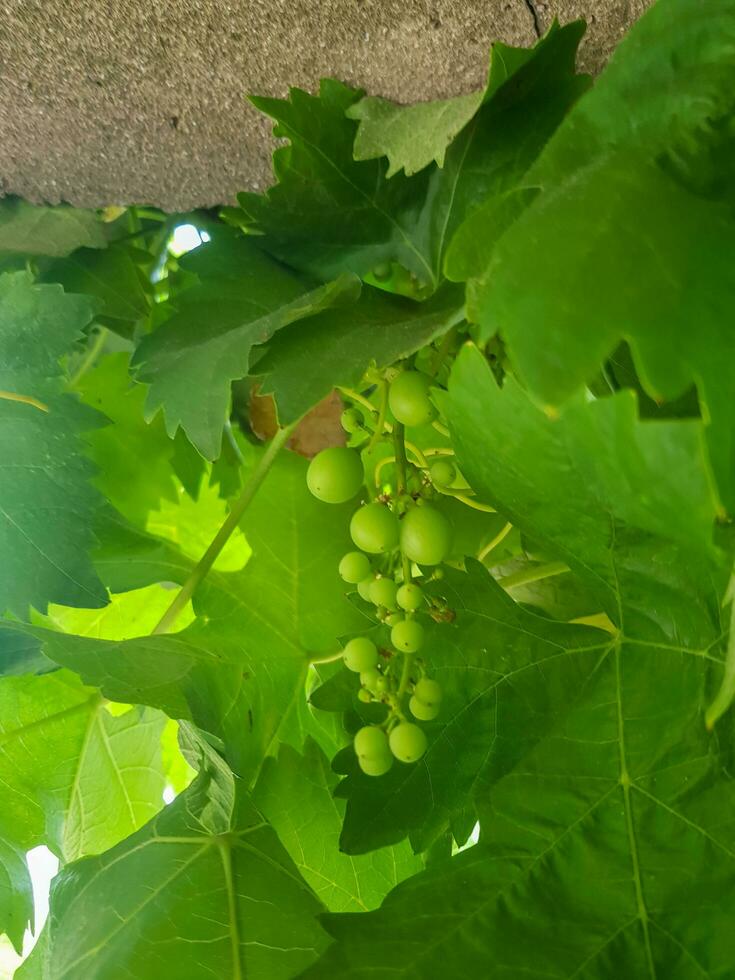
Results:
[495, 662]
[43, 230]
[626, 504]
[329, 212]
[413, 136]
[46, 498]
[606, 807]
[304, 362]
[241, 298]
[628, 238]
[295, 793]
[240, 670]
[73, 775]
[204, 889]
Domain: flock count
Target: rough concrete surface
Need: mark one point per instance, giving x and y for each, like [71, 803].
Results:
[142, 101]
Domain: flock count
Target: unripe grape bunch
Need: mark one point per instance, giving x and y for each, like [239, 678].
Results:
[401, 537]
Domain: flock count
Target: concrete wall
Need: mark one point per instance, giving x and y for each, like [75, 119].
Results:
[141, 101]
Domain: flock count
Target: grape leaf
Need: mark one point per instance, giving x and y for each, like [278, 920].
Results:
[649, 494]
[73, 775]
[648, 151]
[241, 298]
[117, 277]
[133, 458]
[295, 794]
[42, 230]
[303, 363]
[46, 499]
[16, 894]
[240, 670]
[329, 212]
[494, 661]
[411, 136]
[204, 889]
[601, 796]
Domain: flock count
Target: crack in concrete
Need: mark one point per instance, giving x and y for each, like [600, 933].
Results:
[534, 16]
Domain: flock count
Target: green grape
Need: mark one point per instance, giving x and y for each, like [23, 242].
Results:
[428, 691]
[354, 567]
[364, 587]
[409, 399]
[426, 535]
[382, 271]
[381, 684]
[407, 742]
[374, 529]
[369, 678]
[392, 618]
[371, 742]
[421, 710]
[443, 473]
[383, 592]
[376, 767]
[351, 420]
[407, 636]
[373, 750]
[360, 654]
[335, 474]
[410, 597]
[364, 695]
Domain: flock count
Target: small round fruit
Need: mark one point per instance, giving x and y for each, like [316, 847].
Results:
[354, 567]
[381, 684]
[382, 271]
[376, 767]
[364, 587]
[371, 742]
[392, 618]
[351, 420]
[422, 711]
[409, 399]
[426, 535]
[407, 742]
[383, 592]
[335, 474]
[428, 691]
[443, 473]
[369, 678]
[360, 654]
[374, 529]
[407, 636]
[410, 597]
[365, 696]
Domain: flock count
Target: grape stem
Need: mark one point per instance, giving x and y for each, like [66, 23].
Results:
[92, 354]
[491, 545]
[222, 536]
[724, 697]
[535, 573]
[399, 445]
[380, 426]
[466, 500]
[355, 396]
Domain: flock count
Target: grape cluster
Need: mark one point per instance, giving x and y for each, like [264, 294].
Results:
[401, 538]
